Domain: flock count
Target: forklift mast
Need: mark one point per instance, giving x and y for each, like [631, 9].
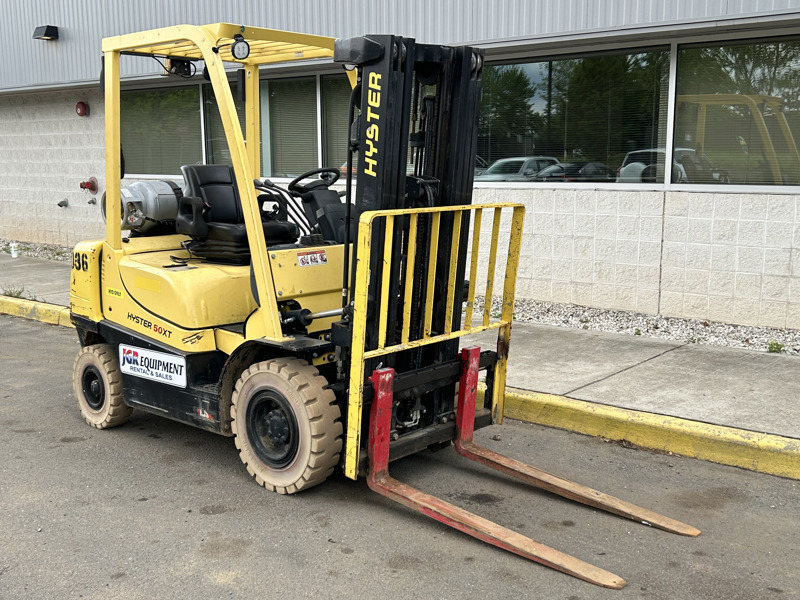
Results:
[419, 106]
[416, 137]
[417, 234]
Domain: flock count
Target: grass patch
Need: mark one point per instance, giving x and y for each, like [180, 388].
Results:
[775, 347]
[13, 291]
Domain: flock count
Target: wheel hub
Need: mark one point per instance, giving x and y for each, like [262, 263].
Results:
[277, 427]
[93, 388]
[272, 428]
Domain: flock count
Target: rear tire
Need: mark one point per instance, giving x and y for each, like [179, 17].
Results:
[286, 425]
[97, 382]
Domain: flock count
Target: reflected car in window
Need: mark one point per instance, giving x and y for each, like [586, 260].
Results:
[578, 171]
[520, 168]
[647, 166]
[480, 165]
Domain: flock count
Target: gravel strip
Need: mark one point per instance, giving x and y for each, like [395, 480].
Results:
[763, 339]
[48, 251]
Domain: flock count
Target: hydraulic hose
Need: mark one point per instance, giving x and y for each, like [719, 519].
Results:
[351, 147]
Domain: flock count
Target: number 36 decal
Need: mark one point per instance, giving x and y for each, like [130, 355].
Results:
[80, 261]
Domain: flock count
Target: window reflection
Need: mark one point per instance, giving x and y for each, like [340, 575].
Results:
[738, 108]
[593, 109]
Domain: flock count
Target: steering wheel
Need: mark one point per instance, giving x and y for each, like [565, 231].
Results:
[294, 185]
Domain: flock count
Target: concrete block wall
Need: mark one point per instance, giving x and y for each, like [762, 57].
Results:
[732, 257]
[723, 256]
[726, 257]
[46, 150]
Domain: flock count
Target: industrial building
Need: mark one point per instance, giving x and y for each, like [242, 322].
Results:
[651, 142]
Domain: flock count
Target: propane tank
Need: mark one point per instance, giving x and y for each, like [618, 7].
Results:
[145, 204]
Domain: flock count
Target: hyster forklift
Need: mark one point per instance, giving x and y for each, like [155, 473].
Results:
[318, 332]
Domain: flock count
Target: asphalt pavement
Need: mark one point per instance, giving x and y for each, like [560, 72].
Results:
[158, 509]
[727, 405]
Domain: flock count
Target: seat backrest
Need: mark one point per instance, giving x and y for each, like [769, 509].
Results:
[216, 186]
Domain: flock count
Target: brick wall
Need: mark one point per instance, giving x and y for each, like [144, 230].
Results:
[732, 258]
[46, 150]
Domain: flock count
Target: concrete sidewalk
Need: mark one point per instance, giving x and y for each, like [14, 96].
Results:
[732, 406]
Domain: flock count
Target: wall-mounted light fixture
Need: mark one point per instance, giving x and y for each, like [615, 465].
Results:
[45, 32]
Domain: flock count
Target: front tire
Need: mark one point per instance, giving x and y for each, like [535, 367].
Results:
[286, 425]
[97, 381]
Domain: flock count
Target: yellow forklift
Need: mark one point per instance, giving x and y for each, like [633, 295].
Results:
[281, 316]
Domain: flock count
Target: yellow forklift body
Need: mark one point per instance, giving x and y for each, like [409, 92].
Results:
[150, 279]
[121, 307]
[312, 276]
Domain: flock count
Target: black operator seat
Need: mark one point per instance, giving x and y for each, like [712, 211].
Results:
[211, 213]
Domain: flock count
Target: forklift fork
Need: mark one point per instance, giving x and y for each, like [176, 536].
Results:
[380, 481]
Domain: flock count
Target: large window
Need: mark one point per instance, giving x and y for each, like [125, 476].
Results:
[165, 129]
[593, 109]
[160, 130]
[738, 114]
[289, 122]
[335, 124]
[596, 118]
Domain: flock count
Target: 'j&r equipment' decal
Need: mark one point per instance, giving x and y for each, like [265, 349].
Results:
[166, 368]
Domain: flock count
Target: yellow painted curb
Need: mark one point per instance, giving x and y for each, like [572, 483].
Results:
[36, 311]
[760, 452]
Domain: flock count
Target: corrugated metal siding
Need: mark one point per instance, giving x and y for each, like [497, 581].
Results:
[83, 23]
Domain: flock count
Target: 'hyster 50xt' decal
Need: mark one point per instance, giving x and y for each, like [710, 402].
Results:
[155, 327]
[166, 368]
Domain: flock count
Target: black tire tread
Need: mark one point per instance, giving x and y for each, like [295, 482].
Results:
[115, 412]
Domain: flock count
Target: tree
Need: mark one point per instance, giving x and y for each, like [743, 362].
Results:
[606, 104]
[507, 124]
[771, 69]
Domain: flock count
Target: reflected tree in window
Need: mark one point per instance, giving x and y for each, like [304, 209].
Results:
[739, 109]
[605, 106]
[508, 125]
[593, 108]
